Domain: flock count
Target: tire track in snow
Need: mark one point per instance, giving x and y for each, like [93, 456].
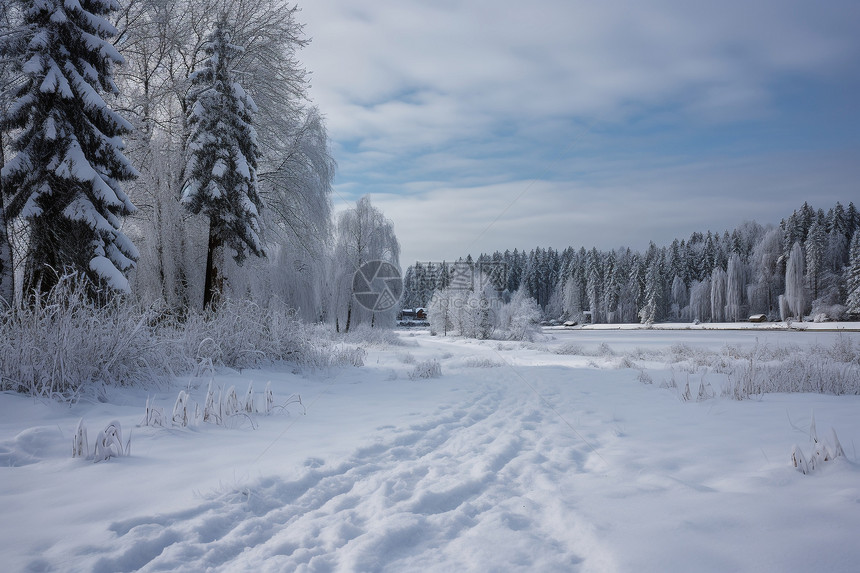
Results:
[472, 487]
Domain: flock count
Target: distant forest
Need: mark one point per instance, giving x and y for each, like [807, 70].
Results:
[808, 266]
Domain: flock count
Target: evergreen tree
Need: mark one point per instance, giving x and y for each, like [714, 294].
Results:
[611, 288]
[852, 278]
[64, 179]
[222, 167]
[572, 297]
[852, 219]
[816, 247]
[648, 313]
[594, 281]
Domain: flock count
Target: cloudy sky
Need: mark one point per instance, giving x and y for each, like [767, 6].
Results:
[479, 125]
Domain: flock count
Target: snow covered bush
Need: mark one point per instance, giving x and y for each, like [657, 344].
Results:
[426, 369]
[570, 348]
[80, 443]
[378, 337]
[108, 443]
[822, 451]
[219, 408]
[475, 362]
[62, 345]
[482, 314]
[405, 357]
[180, 409]
[807, 372]
[153, 416]
[520, 318]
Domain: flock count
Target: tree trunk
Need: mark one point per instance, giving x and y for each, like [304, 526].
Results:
[7, 273]
[212, 288]
[348, 314]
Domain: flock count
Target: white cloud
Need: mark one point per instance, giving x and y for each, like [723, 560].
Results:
[629, 209]
[445, 110]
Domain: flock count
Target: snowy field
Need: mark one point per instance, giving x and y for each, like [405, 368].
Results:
[549, 456]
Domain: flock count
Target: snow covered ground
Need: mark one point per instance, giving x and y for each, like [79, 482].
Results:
[517, 458]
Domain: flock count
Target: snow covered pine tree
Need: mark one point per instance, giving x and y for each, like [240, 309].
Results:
[222, 165]
[852, 278]
[64, 179]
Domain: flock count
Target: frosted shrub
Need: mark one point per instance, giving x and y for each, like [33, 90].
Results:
[706, 392]
[475, 362]
[341, 356]
[520, 318]
[211, 407]
[808, 372]
[569, 348]
[250, 408]
[605, 350]
[378, 337]
[219, 408]
[63, 346]
[843, 350]
[231, 402]
[686, 395]
[270, 398]
[426, 369]
[153, 416]
[180, 409]
[681, 352]
[109, 443]
[822, 451]
[405, 357]
[80, 443]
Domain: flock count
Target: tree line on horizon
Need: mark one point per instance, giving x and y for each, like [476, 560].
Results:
[808, 265]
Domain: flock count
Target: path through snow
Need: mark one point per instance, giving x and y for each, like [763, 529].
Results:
[468, 488]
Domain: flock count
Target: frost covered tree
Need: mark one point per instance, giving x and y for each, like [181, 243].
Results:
[734, 288]
[363, 235]
[700, 300]
[164, 43]
[679, 297]
[572, 297]
[65, 179]
[768, 276]
[222, 165]
[439, 312]
[852, 272]
[718, 295]
[520, 318]
[795, 292]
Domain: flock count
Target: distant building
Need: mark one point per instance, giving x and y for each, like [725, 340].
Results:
[412, 314]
